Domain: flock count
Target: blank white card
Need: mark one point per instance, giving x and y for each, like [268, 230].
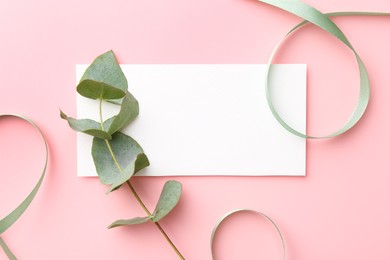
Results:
[209, 119]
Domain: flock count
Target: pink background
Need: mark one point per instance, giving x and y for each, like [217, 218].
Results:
[340, 210]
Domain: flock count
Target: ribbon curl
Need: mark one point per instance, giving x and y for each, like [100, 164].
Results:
[311, 15]
[321, 20]
[233, 212]
[10, 219]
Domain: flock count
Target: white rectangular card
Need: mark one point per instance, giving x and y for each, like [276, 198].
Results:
[209, 119]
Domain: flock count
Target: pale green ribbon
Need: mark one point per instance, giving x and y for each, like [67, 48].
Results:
[224, 217]
[8, 220]
[312, 15]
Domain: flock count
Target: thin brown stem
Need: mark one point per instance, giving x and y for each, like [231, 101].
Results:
[156, 223]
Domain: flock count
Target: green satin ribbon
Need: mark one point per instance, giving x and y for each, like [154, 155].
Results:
[8, 220]
[312, 15]
[233, 212]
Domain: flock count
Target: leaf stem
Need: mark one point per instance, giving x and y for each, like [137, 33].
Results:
[156, 223]
[107, 143]
[132, 188]
[101, 112]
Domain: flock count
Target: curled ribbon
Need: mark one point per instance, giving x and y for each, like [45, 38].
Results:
[224, 217]
[8, 220]
[312, 15]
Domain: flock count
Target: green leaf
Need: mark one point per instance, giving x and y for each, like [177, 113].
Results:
[86, 126]
[129, 111]
[108, 122]
[169, 197]
[141, 162]
[117, 167]
[104, 78]
[115, 101]
[128, 172]
[128, 222]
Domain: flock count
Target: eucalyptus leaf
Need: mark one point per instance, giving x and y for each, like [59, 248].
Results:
[117, 156]
[128, 112]
[128, 222]
[141, 162]
[169, 198]
[127, 173]
[138, 164]
[86, 126]
[115, 101]
[117, 167]
[108, 122]
[104, 78]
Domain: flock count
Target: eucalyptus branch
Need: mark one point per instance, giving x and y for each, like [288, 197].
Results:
[117, 156]
[156, 223]
[139, 200]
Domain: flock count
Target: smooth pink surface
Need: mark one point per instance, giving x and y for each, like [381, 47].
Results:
[340, 210]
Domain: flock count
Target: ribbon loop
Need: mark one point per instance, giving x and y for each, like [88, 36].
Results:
[312, 15]
[10, 219]
[233, 212]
